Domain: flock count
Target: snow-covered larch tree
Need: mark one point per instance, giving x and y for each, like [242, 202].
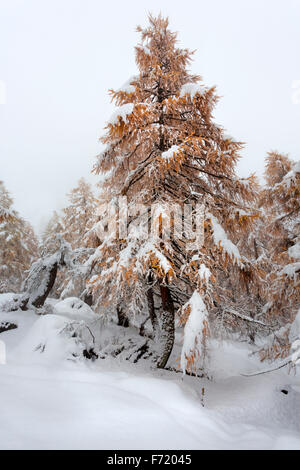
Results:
[73, 229]
[18, 245]
[78, 220]
[80, 215]
[163, 149]
[49, 242]
[281, 199]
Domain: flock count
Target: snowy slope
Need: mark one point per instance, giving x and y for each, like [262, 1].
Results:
[49, 402]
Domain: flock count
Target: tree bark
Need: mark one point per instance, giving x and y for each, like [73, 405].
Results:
[167, 326]
[88, 299]
[152, 314]
[39, 301]
[38, 297]
[122, 318]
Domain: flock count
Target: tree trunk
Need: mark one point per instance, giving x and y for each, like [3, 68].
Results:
[40, 299]
[42, 282]
[88, 299]
[152, 314]
[167, 326]
[122, 318]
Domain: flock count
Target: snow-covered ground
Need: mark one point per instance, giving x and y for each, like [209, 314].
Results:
[48, 401]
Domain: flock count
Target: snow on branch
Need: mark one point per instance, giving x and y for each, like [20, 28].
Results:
[43, 272]
[149, 252]
[291, 270]
[192, 89]
[170, 154]
[291, 176]
[294, 251]
[292, 360]
[246, 318]
[204, 273]
[121, 113]
[5, 213]
[271, 369]
[194, 332]
[221, 240]
[296, 354]
[127, 87]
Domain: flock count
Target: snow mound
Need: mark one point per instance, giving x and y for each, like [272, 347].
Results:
[7, 297]
[72, 307]
[53, 340]
[50, 402]
[7, 300]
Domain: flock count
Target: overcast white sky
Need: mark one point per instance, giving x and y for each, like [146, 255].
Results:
[58, 58]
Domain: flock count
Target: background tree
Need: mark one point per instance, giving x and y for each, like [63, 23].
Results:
[50, 244]
[78, 220]
[75, 226]
[79, 216]
[19, 245]
[281, 199]
[49, 239]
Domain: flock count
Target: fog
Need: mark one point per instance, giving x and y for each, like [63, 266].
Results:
[58, 59]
